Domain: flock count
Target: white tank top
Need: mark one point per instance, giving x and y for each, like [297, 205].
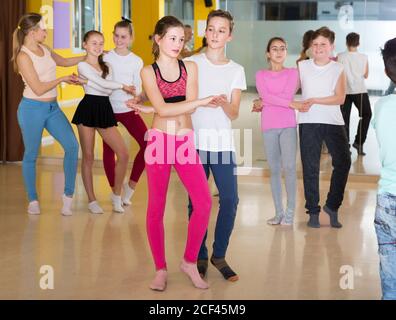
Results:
[319, 82]
[45, 67]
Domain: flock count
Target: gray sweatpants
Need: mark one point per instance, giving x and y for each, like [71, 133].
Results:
[281, 147]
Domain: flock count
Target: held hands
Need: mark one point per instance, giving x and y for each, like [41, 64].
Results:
[74, 79]
[135, 105]
[302, 106]
[129, 89]
[214, 101]
[257, 105]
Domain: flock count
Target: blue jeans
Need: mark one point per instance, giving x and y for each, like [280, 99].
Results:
[385, 227]
[33, 117]
[223, 167]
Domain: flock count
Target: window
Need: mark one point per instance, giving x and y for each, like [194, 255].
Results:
[181, 9]
[287, 10]
[87, 16]
[126, 9]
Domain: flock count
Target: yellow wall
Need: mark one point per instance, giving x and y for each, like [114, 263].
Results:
[145, 15]
[200, 13]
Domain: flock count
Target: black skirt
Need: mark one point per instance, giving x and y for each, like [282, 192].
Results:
[95, 111]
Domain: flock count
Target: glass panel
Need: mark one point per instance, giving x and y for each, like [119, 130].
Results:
[77, 23]
[84, 19]
[88, 15]
[256, 21]
[126, 9]
[184, 11]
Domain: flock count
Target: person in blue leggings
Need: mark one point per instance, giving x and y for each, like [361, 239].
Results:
[38, 109]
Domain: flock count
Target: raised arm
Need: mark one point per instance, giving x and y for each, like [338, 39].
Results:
[88, 72]
[26, 68]
[66, 62]
[164, 109]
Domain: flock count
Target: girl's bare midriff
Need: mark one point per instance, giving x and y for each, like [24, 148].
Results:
[173, 125]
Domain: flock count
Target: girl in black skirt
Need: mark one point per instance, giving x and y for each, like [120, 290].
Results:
[94, 112]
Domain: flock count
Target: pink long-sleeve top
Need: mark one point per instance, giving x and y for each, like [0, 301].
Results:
[277, 89]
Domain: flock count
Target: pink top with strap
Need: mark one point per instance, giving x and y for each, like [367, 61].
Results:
[172, 91]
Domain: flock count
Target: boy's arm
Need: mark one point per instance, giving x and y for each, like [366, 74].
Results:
[231, 108]
[337, 99]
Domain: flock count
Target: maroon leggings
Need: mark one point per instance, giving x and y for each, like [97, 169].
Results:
[137, 129]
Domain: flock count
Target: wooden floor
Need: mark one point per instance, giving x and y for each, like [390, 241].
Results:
[107, 256]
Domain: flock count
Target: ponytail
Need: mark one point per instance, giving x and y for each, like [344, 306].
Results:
[17, 41]
[26, 23]
[103, 66]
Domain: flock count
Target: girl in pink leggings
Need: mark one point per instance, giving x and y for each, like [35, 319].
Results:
[172, 89]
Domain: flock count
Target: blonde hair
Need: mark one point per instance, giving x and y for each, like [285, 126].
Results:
[26, 23]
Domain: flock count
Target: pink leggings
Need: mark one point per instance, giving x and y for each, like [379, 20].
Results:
[137, 129]
[164, 150]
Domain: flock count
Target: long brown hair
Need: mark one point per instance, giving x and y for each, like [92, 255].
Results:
[161, 29]
[103, 66]
[26, 23]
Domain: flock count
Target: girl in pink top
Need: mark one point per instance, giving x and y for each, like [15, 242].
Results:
[276, 87]
[172, 88]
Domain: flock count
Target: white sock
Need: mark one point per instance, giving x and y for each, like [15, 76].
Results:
[117, 203]
[128, 193]
[34, 207]
[94, 207]
[67, 205]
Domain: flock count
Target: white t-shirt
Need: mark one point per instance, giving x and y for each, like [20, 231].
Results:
[96, 85]
[212, 126]
[319, 82]
[355, 67]
[126, 70]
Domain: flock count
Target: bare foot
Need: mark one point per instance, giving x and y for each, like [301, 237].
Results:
[159, 282]
[192, 271]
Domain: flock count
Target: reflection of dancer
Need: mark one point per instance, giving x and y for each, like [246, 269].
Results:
[306, 52]
[323, 89]
[94, 113]
[171, 86]
[38, 109]
[218, 75]
[126, 68]
[356, 70]
[276, 88]
[385, 215]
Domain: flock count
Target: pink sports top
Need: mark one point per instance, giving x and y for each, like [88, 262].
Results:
[172, 91]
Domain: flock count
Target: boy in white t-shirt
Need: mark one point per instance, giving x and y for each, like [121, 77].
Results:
[323, 91]
[356, 70]
[218, 75]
